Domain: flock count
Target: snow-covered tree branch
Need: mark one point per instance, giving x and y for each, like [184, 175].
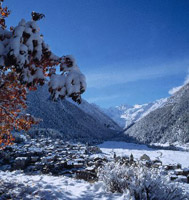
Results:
[25, 62]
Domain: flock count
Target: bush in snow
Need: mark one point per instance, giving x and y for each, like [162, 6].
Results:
[139, 182]
[25, 61]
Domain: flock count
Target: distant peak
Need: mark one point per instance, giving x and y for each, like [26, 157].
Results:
[137, 106]
[123, 107]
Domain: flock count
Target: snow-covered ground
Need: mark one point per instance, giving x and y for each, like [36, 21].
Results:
[64, 188]
[125, 149]
[54, 188]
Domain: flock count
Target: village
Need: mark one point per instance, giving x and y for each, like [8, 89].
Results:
[56, 157]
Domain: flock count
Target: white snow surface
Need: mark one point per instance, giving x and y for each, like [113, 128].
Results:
[65, 188]
[126, 149]
[60, 188]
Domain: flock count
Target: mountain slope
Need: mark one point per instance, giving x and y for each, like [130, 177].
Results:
[67, 118]
[126, 115]
[96, 113]
[170, 123]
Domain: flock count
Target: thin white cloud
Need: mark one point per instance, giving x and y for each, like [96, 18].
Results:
[115, 76]
[176, 89]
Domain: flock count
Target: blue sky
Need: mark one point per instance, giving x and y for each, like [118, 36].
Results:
[131, 51]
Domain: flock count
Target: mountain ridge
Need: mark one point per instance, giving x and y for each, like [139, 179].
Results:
[69, 119]
[169, 123]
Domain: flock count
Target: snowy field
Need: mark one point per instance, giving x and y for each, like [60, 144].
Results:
[125, 149]
[54, 188]
[64, 188]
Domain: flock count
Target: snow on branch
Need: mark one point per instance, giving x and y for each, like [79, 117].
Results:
[25, 62]
[24, 50]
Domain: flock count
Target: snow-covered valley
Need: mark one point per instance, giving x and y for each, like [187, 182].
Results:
[102, 126]
[18, 185]
[55, 160]
[51, 164]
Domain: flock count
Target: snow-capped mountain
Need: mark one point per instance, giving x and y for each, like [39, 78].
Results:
[168, 123]
[82, 122]
[126, 115]
[116, 114]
